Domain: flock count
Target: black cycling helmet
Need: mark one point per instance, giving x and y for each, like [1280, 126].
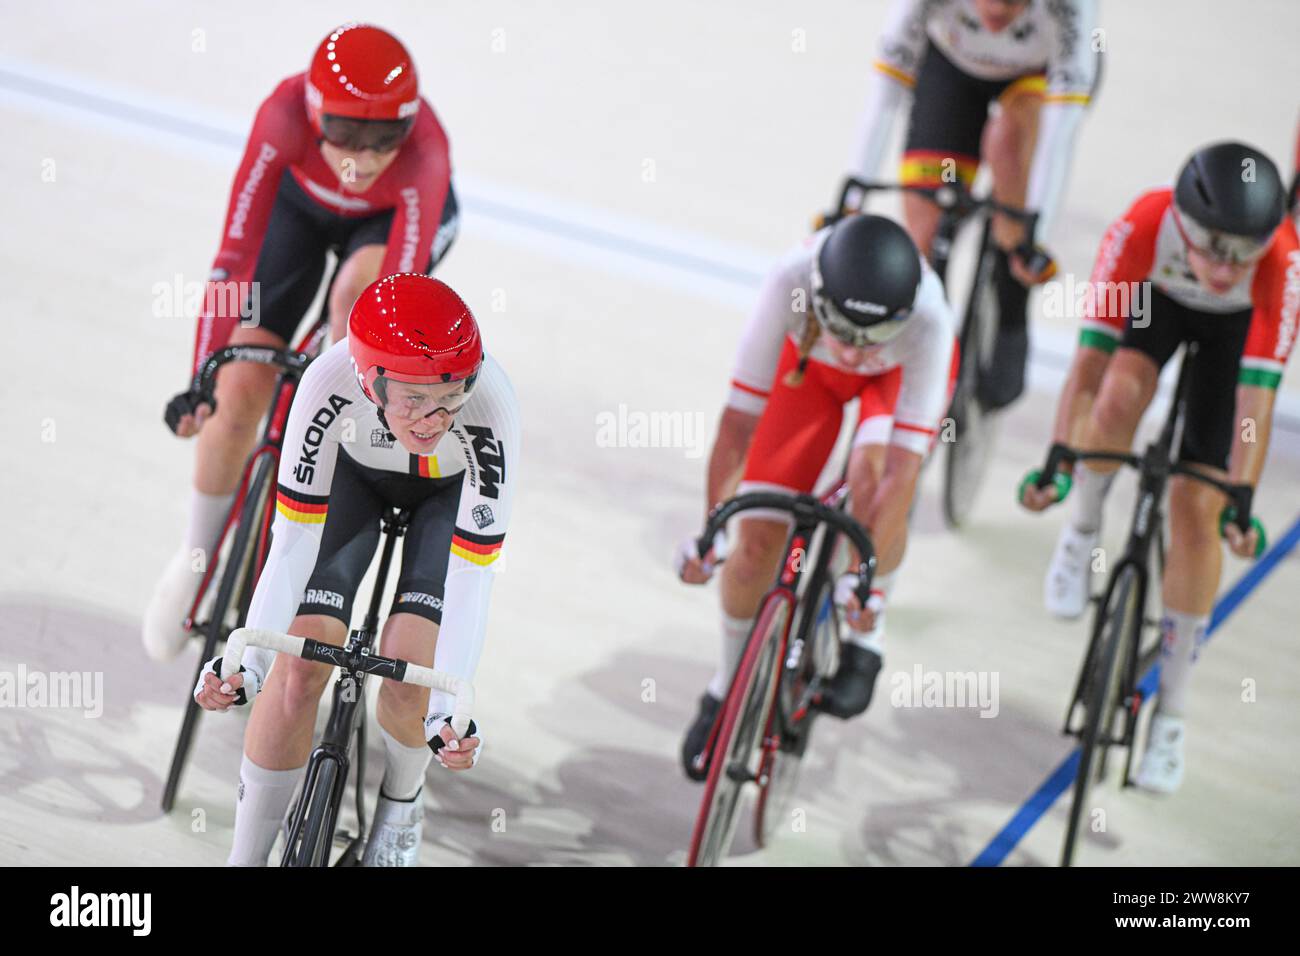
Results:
[865, 273]
[1229, 200]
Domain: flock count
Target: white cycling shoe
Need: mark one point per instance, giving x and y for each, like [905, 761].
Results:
[1161, 770]
[1068, 583]
[396, 832]
[164, 633]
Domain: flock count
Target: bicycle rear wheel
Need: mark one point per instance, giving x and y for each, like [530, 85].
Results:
[237, 577]
[968, 455]
[1117, 623]
[736, 750]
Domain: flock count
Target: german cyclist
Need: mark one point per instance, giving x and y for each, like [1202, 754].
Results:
[1005, 82]
[345, 157]
[406, 412]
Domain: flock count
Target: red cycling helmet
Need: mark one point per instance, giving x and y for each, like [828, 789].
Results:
[361, 72]
[412, 328]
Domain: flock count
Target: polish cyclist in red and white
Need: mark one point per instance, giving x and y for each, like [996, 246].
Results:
[854, 312]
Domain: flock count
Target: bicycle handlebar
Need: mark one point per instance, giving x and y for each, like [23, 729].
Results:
[286, 359]
[956, 201]
[953, 197]
[1242, 496]
[392, 669]
[807, 509]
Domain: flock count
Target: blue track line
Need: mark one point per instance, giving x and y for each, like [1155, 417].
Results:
[1033, 809]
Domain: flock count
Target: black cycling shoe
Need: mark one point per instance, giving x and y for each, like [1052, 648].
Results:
[1004, 380]
[848, 693]
[697, 738]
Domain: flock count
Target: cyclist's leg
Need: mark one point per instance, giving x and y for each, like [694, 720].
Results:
[1195, 554]
[278, 738]
[1127, 387]
[1008, 148]
[288, 272]
[289, 268]
[412, 633]
[948, 112]
[791, 443]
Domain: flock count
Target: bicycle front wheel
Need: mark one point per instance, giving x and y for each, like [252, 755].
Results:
[229, 609]
[311, 835]
[736, 751]
[1116, 626]
[809, 659]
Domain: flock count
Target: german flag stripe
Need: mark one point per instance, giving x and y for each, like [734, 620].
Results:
[425, 466]
[475, 548]
[1081, 98]
[304, 509]
[925, 168]
[477, 542]
[480, 549]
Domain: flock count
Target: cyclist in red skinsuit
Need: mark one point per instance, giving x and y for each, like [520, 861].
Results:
[348, 158]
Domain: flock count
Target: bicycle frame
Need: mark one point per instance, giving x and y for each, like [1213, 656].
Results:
[270, 445]
[809, 513]
[1156, 466]
[347, 708]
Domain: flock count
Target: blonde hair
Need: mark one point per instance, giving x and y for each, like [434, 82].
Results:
[812, 331]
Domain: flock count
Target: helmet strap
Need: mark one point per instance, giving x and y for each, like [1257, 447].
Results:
[384, 421]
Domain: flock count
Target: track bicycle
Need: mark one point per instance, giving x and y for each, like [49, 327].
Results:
[1124, 641]
[765, 721]
[312, 824]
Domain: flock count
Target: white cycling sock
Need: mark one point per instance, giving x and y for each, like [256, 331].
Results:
[1182, 637]
[207, 515]
[734, 632]
[1090, 488]
[264, 797]
[403, 767]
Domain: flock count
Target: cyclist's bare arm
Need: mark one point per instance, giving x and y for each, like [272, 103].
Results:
[884, 512]
[726, 461]
[1072, 410]
[1254, 423]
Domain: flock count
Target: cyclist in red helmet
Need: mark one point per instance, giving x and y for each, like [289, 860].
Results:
[344, 158]
[407, 412]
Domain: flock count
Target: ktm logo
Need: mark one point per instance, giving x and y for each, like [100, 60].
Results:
[491, 460]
